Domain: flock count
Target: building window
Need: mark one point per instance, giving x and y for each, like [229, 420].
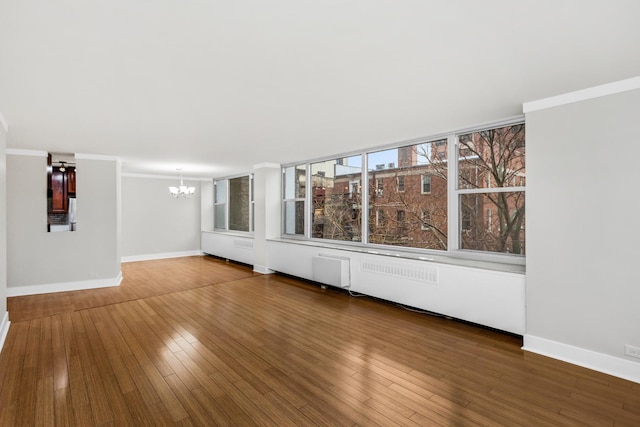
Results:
[426, 220]
[426, 184]
[233, 204]
[379, 187]
[336, 199]
[400, 183]
[490, 170]
[294, 179]
[465, 224]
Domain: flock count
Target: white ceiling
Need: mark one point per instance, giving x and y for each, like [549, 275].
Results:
[216, 86]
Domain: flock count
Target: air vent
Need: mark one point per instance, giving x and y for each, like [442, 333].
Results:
[243, 244]
[405, 271]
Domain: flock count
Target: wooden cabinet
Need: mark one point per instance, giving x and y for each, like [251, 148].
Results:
[71, 180]
[59, 194]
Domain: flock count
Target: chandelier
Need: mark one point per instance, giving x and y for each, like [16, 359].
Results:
[182, 190]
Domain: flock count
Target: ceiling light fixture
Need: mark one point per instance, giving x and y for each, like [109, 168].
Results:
[62, 167]
[182, 190]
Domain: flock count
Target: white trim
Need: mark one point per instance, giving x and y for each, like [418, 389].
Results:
[262, 269]
[164, 255]
[33, 153]
[582, 95]
[4, 328]
[5, 125]
[600, 362]
[481, 190]
[266, 165]
[170, 177]
[17, 291]
[84, 156]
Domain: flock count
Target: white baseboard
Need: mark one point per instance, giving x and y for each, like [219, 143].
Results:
[262, 269]
[164, 255]
[17, 291]
[616, 366]
[4, 328]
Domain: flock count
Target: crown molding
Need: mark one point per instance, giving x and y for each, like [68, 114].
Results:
[84, 156]
[171, 177]
[32, 153]
[266, 165]
[582, 95]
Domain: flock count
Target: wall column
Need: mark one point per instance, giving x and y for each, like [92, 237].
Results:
[267, 183]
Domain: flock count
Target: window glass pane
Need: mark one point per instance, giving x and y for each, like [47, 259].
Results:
[219, 216]
[295, 182]
[492, 158]
[493, 222]
[336, 211]
[408, 196]
[294, 217]
[221, 191]
[239, 194]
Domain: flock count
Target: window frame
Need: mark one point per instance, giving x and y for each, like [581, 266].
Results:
[454, 217]
[227, 204]
[456, 191]
[422, 183]
[296, 199]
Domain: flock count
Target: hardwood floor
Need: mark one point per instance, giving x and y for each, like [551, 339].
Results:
[196, 341]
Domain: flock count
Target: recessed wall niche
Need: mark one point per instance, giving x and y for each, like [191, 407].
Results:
[61, 192]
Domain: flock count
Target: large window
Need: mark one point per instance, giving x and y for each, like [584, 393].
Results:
[294, 190]
[415, 196]
[414, 181]
[220, 204]
[337, 199]
[239, 203]
[491, 179]
[233, 204]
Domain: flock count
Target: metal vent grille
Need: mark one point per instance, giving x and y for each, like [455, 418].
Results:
[405, 271]
[243, 244]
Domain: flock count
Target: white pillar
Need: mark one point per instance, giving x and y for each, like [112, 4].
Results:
[267, 196]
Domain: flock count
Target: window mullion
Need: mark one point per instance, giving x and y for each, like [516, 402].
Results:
[364, 201]
[453, 201]
[308, 196]
[226, 206]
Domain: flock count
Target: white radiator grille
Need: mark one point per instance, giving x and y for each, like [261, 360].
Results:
[405, 271]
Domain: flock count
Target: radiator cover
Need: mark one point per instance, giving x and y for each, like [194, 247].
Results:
[331, 270]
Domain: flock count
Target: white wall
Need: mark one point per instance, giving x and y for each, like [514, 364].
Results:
[4, 318]
[206, 204]
[39, 261]
[156, 225]
[583, 286]
[267, 182]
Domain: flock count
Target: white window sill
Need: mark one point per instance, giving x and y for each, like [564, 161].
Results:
[461, 258]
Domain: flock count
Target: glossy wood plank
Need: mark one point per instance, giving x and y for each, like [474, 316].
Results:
[199, 342]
